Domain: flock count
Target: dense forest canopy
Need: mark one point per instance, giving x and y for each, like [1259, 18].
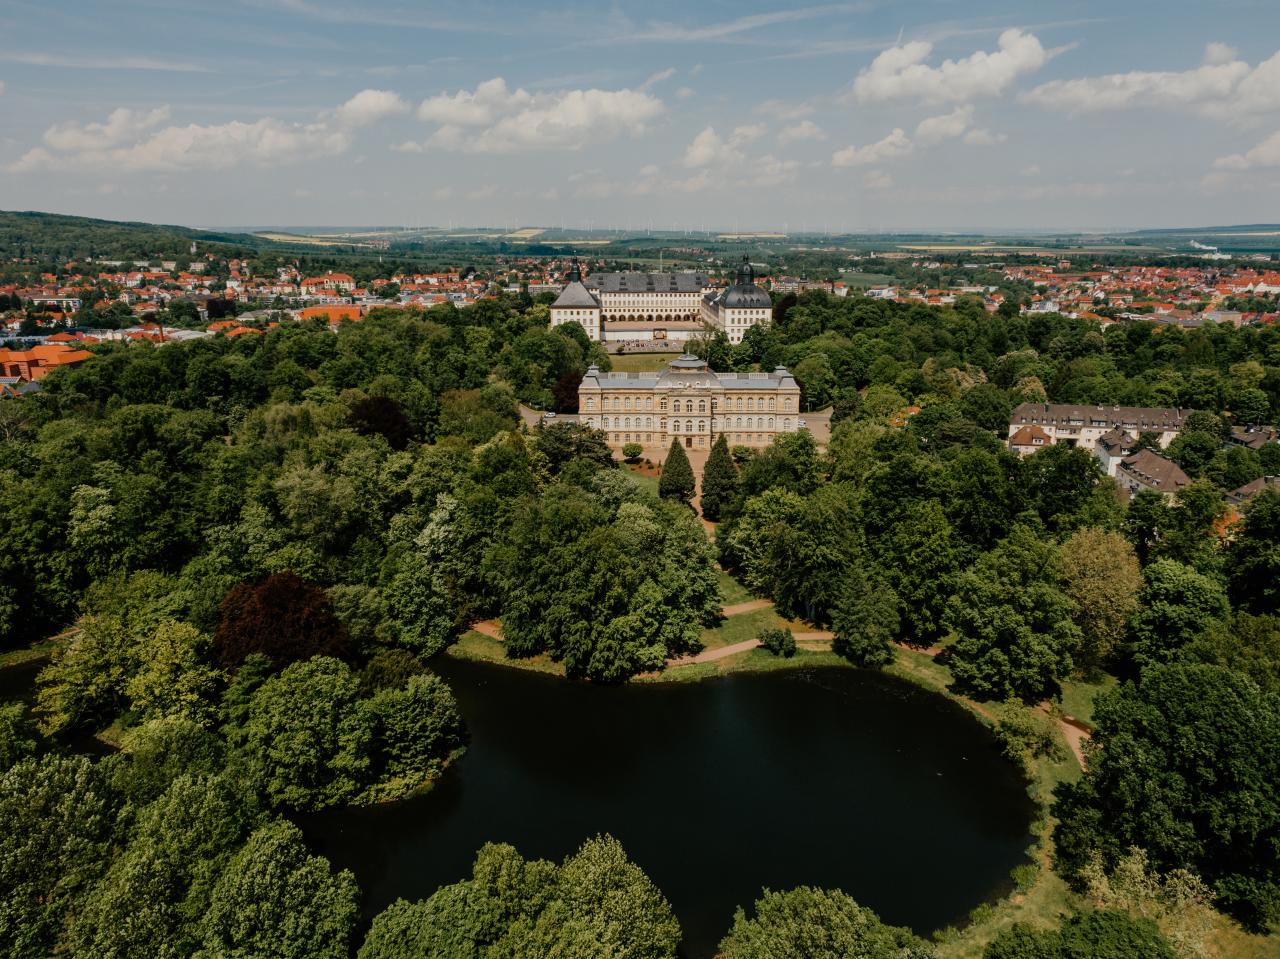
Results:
[251, 549]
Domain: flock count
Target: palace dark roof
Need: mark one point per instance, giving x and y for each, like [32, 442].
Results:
[631, 282]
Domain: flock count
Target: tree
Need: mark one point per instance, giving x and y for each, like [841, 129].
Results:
[304, 743]
[1182, 767]
[382, 416]
[415, 730]
[631, 452]
[16, 735]
[283, 617]
[780, 642]
[596, 903]
[84, 684]
[174, 678]
[920, 556]
[866, 621]
[677, 480]
[275, 900]
[719, 480]
[60, 822]
[1176, 605]
[1106, 934]
[1253, 558]
[808, 923]
[1016, 628]
[1101, 576]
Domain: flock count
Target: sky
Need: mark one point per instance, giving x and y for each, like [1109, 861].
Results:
[752, 115]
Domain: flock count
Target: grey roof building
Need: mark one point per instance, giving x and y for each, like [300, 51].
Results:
[692, 402]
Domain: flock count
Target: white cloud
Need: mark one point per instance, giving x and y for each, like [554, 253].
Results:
[710, 149]
[473, 108]
[896, 144]
[494, 119]
[770, 171]
[684, 93]
[129, 141]
[804, 130]
[1265, 154]
[1221, 85]
[978, 137]
[668, 32]
[877, 180]
[933, 130]
[99, 63]
[659, 77]
[370, 106]
[901, 72]
[121, 125]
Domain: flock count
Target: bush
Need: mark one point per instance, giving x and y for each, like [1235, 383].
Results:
[780, 642]
[1027, 734]
[631, 451]
[284, 617]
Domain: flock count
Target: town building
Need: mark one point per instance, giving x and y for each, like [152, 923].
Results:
[39, 361]
[1084, 426]
[690, 402]
[659, 307]
[577, 304]
[1148, 470]
[740, 307]
[1112, 448]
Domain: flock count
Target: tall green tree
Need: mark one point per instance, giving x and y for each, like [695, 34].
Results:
[275, 899]
[719, 480]
[677, 480]
[808, 923]
[1183, 767]
[1253, 558]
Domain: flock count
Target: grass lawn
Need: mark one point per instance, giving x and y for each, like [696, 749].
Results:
[648, 483]
[731, 590]
[641, 362]
[1078, 697]
[478, 646]
[40, 650]
[737, 629]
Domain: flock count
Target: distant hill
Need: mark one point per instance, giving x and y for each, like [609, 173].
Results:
[52, 235]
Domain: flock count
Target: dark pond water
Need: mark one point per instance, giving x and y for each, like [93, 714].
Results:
[825, 777]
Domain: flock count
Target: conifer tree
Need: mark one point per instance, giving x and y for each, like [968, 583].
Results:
[719, 480]
[677, 475]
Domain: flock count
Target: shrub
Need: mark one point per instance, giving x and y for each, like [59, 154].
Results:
[780, 642]
[631, 451]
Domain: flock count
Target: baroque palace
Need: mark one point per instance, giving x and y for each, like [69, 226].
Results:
[690, 402]
[618, 307]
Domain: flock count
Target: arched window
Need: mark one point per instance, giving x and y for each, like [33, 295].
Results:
[688, 406]
[591, 403]
[702, 406]
[627, 402]
[675, 426]
[662, 404]
[786, 404]
[627, 424]
[786, 423]
[702, 426]
[648, 422]
[771, 402]
[688, 426]
[751, 403]
[749, 422]
[770, 422]
[738, 424]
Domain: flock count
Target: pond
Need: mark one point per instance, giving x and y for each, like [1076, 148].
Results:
[827, 777]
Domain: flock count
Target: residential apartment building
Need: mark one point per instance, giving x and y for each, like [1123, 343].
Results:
[1084, 426]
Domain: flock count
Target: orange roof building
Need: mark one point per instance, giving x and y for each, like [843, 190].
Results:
[35, 363]
[334, 314]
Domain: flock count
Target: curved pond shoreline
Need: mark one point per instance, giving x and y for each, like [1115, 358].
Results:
[823, 776]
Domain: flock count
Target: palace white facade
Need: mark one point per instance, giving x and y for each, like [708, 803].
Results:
[690, 402]
[673, 307]
[738, 308]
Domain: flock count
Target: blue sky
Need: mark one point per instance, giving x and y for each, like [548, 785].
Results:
[748, 115]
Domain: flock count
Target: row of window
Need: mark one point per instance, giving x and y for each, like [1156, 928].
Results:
[734, 404]
[687, 426]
